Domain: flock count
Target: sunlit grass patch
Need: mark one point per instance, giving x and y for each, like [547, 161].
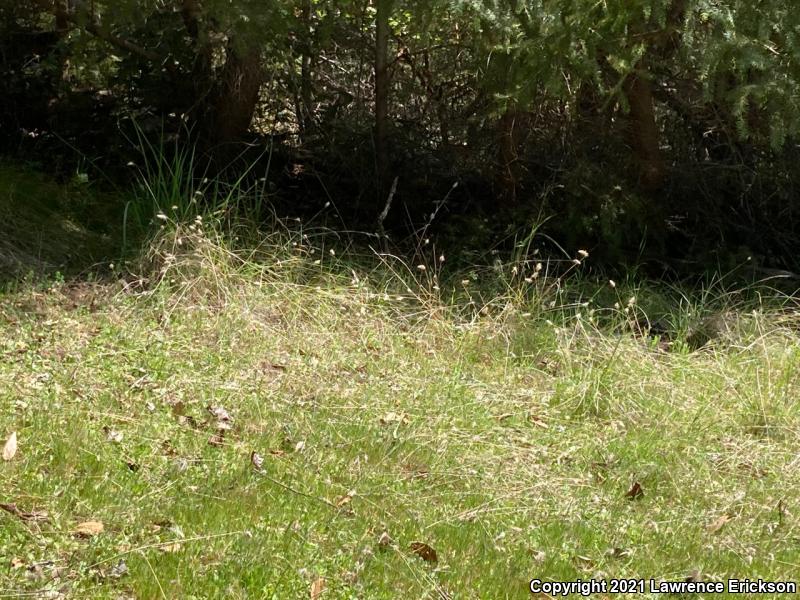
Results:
[258, 424]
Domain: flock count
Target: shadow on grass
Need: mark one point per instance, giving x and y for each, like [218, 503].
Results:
[53, 230]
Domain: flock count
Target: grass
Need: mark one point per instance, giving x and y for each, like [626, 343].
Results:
[287, 422]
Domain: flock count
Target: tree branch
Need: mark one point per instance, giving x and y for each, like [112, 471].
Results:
[92, 25]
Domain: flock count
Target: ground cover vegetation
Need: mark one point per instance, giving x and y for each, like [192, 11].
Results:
[395, 299]
[244, 413]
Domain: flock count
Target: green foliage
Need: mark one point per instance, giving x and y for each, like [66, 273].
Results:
[744, 56]
[530, 103]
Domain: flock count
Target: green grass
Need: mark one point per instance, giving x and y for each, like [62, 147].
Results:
[377, 416]
[505, 433]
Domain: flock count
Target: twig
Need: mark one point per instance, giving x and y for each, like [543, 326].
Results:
[198, 538]
[420, 233]
[289, 488]
[384, 214]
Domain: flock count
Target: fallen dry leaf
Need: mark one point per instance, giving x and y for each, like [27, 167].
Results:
[17, 563]
[10, 447]
[718, 524]
[89, 529]
[317, 588]
[217, 439]
[34, 515]
[424, 551]
[346, 499]
[168, 449]
[635, 492]
[171, 548]
[538, 421]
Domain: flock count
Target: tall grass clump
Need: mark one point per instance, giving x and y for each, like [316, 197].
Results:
[176, 185]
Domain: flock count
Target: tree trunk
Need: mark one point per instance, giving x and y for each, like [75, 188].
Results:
[382, 91]
[509, 156]
[237, 96]
[306, 118]
[61, 13]
[644, 135]
[643, 130]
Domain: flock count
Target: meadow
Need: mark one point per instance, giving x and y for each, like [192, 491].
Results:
[242, 413]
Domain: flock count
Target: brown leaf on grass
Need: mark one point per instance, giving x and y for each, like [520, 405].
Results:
[171, 548]
[278, 453]
[89, 529]
[17, 563]
[317, 588]
[538, 421]
[346, 499]
[218, 439]
[424, 551]
[10, 447]
[635, 492]
[718, 523]
[168, 449]
[34, 516]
